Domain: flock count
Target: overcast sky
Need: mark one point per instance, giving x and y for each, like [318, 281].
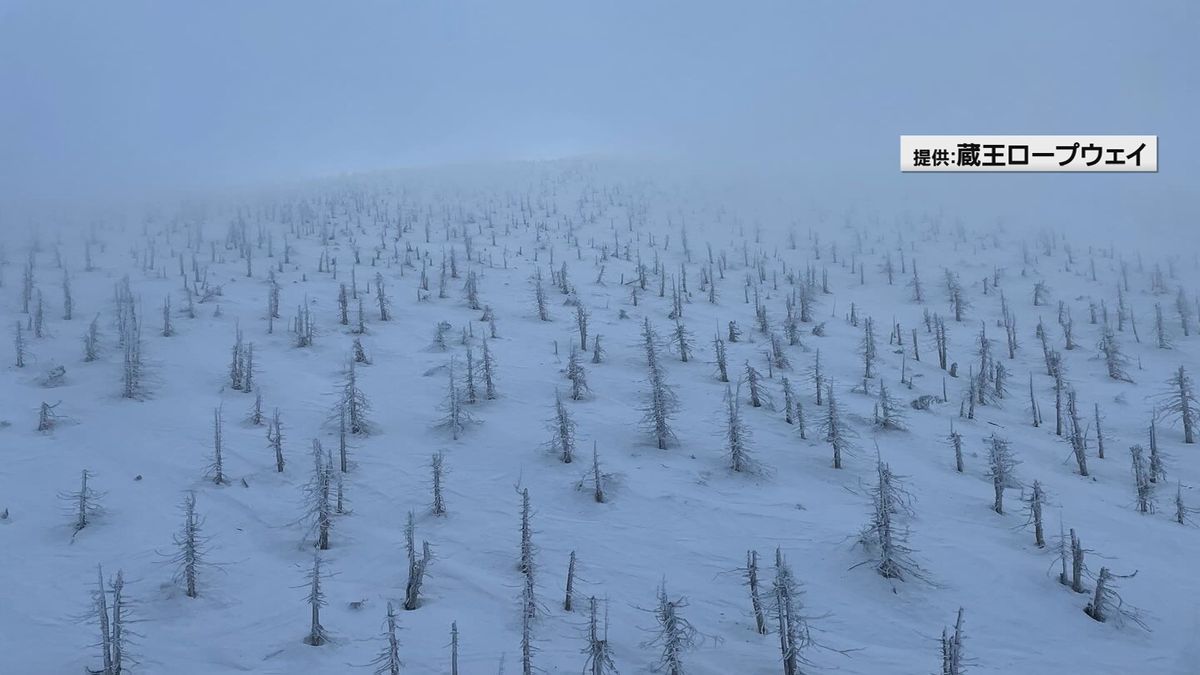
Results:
[121, 96]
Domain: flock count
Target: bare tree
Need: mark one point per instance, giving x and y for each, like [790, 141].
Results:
[1001, 465]
[838, 434]
[83, 504]
[216, 468]
[737, 436]
[1141, 480]
[417, 564]
[1034, 504]
[1179, 403]
[388, 661]
[675, 635]
[317, 635]
[438, 466]
[191, 544]
[952, 648]
[660, 402]
[598, 650]
[562, 427]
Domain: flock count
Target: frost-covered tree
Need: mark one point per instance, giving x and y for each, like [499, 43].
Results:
[956, 442]
[317, 635]
[526, 563]
[758, 397]
[817, 376]
[752, 584]
[953, 660]
[191, 548]
[489, 373]
[216, 467]
[838, 434]
[353, 403]
[115, 636]
[681, 339]
[868, 351]
[954, 292]
[562, 431]
[1157, 470]
[737, 436]
[388, 661]
[1141, 480]
[791, 624]
[1182, 308]
[1033, 507]
[318, 498]
[275, 439]
[382, 299]
[1001, 467]
[470, 393]
[674, 636]
[884, 537]
[83, 504]
[1179, 402]
[91, 340]
[417, 564]
[455, 417]
[438, 466]
[660, 404]
[581, 324]
[718, 349]
[577, 375]
[132, 384]
[100, 605]
[598, 651]
[1114, 358]
[539, 296]
[1078, 435]
[1160, 331]
[595, 479]
[889, 414]
[1107, 602]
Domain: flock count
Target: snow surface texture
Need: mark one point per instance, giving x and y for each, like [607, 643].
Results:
[679, 515]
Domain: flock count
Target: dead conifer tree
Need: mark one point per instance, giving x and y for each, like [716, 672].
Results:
[1141, 480]
[737, 436]
[756, 604]
[388, 661]
[489, 373]
[417, 564]
[675, 635]
[1001, 467]
[1179, 403]
[1078, 435]
[577, 375]
[562, 427]
[718, 349]
[598, 651]
[952, 648]
[216, 468]
[1033, 506]
[838, 434]
[275, 439]
[83, 504]
[191, 544]
[438, 466]
[317, 634]
[660, 403]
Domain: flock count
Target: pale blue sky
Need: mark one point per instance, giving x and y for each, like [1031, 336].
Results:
[122, 96]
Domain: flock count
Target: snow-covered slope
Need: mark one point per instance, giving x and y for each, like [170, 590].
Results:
[678, 515]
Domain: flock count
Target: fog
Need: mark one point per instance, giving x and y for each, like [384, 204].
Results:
[134, 98]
